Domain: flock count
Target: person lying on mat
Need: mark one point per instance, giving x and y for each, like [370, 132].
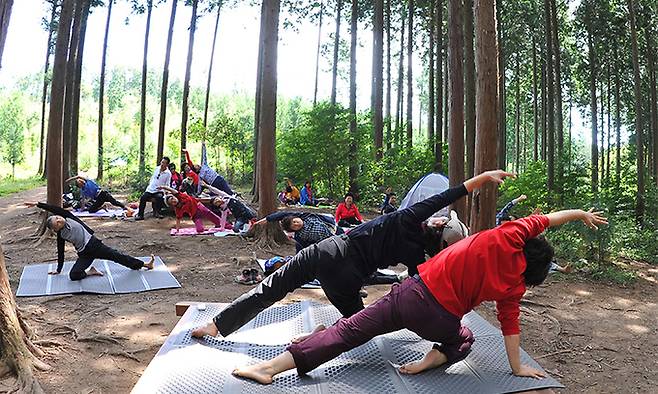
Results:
[242, 213]
[206, 173]
[308, 228]
[493, 265]
[347, 213]
[342, 263]
[72, 229]
[183, 204]
[89, 190]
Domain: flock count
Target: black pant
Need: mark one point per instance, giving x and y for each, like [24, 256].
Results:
[103, 197]
[348, 222]
[96, 249]
[221, 184]
[156, 202]
[331, 261]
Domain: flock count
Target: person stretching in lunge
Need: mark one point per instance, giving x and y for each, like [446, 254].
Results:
[206, 173]
[342, 263]
[493, 265]
[70, 228]
[183, 204]
[242, 213]
[309, 228]
[91, 191]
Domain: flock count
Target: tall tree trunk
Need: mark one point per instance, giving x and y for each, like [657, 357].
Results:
[446, 88]
[70, 89]
[608, 149]
[259, 78]
[502, 104]
[398, 110]
[334, 70]
[617, 122]
[212, 62]
[653, 103]
[188, 73]
[431, 73]
[142, 112]
[517, 120]
[592, 91]
[5, 16]
[165, 83]
[559, 118]
[387, 115]
[535, 110]
[75, 115]
[353, 169]
[602, 123]
[410, 79]
[377, 78]
[46, 80]
[456, 100]
[317, 54]
[543, 107]
[484, 200]
[469, 89]
[637, 84]
[101, 91]
[550, 98]
[438, 143]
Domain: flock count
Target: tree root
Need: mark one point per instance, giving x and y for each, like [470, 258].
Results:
[101, 338]
[64, 330]
[57, 298]
[49, 343]
[4, 369]
[121, 353]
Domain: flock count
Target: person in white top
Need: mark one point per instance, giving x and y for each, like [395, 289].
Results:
[161, 177]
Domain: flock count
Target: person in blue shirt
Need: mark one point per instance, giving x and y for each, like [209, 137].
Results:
[89, 190]
[306, 196]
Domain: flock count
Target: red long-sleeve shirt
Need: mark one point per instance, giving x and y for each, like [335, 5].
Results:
[186, 205]
[488, 266]
[343, 212]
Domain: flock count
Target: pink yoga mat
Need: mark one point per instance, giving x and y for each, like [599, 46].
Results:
[192, 231]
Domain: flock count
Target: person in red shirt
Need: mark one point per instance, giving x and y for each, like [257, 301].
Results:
[492, 265]
[347, 214]
[183, 204]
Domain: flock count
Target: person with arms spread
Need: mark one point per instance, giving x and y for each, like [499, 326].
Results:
[89, 190]
[242, 213]
[206, 173]
[183, 204]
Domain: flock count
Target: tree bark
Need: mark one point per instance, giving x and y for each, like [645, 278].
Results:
[188, 73]
[484, 200]
[543, 106]
[259, 78]
[334, 70]
[517, 116]
[70, 89]
[593, 108]
[609, 123]
[410, 80]
[653, 103]
[44, 96]
[142, 112]
[550, 98]
[456, 100]
[317, 54]
[502, 104]
[398, 110]
[469, 89]
[438, 143]
[617, 121]
[639, 203]
[535, 111]
[377, 78]
[165, 83]
[212, 62]
[353, 169]
[5, 16]
[431, 73]
[101, 91]
[559, 119]
[387, 115]
[75, 115]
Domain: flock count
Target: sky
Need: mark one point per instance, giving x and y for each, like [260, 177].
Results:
[235, 55]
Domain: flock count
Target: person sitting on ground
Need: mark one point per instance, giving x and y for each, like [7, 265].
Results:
[161, 177]
[308, 228]
[342, 263]
[89, 190]
[347, 213]
[390, 203]
[242, 213]
[72, 229]
[176, 178]
[493, 265]
[292, 193]
[206, 173]
[306, 196]
[183, 203]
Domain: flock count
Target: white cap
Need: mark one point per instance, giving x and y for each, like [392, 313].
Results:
[454, 230]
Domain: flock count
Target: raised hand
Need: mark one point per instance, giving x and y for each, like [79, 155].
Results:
[498, 176]
[593, 219]
[530, 372]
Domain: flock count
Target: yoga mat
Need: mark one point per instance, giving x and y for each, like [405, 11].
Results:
[186, 364]
[35, 280]
[100, 214]
[191, 231]
[315, 284]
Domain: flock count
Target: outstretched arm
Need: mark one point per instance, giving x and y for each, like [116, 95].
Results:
[169, 189]
[591, 218]
[214, 189]
[495, 176]
[187, 157]
[76, 177]
[204, 154]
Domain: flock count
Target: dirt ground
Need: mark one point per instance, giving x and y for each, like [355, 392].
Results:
[593, 337]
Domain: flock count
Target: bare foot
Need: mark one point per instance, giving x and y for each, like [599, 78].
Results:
[300, 338]
[209, 329]
[412, 368]
[150, 264]
[94, 272]
[262, 373]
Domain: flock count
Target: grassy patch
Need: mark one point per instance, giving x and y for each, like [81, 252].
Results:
[10, 186]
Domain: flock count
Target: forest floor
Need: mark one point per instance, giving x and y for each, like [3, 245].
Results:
[593, 337]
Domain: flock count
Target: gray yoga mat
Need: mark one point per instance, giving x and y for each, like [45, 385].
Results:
[186, 364]
[35, 280]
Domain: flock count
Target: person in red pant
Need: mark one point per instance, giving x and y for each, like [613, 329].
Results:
[492, 265]
[183, 204]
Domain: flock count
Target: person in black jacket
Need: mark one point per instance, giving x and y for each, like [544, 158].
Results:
[342, 263]
[69, 228]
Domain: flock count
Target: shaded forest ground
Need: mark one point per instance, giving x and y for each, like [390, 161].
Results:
[593, 336]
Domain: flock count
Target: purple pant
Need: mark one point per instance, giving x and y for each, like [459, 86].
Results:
[408, 305]
[204, 213]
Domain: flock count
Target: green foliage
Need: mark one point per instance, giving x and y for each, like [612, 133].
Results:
[13, 185]
[13, 124]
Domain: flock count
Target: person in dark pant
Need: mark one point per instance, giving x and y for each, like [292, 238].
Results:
[342, 263]
[91, 191]
[70, 228]
[161, 177]
[206, 173]
[242, 213]
[493, 265]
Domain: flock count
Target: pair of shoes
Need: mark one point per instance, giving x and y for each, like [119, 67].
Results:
[249, 277]
[139, 217]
